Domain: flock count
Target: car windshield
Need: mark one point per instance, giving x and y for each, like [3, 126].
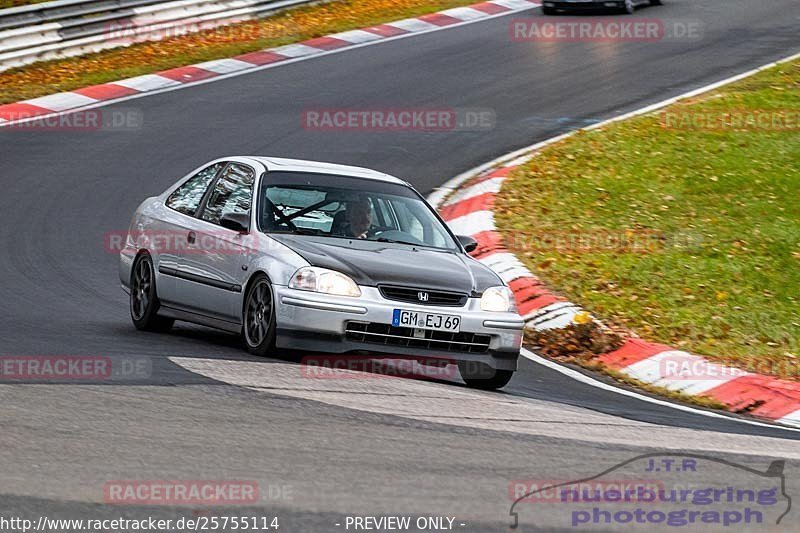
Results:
[333, 206]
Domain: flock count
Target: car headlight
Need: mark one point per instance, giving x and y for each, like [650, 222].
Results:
[498, 299]
[324, 280]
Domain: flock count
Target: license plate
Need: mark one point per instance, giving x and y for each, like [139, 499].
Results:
[405, 318]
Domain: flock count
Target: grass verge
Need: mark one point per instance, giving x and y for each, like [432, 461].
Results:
[683, 225]
[286, 27]
[5, 4]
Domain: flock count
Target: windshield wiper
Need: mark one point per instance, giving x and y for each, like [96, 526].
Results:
[394, 241]
[294, 231]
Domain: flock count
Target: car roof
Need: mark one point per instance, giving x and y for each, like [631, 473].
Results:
[302, 165]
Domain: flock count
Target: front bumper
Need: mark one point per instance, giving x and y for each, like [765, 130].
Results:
[319, 323]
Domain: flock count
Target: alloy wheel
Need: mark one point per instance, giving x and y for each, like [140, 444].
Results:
[258, 314]
[141, 289]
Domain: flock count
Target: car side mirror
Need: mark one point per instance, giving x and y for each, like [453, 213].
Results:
[239, 222]
[467, 242]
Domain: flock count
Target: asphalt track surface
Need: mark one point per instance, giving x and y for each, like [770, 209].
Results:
[324, 449]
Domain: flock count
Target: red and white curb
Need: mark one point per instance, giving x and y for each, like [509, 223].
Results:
[96, 95]
[466, 203]
[469, 212]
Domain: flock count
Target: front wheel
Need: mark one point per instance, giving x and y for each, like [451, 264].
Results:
[258, 330]
[482, 376]
[144, 297]
[549, 11]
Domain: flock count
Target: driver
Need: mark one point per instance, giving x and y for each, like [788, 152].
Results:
[358, 219]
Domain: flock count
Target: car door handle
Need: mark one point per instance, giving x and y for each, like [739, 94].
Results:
[191, 238]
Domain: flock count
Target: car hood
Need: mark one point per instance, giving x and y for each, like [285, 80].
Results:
[375, 263]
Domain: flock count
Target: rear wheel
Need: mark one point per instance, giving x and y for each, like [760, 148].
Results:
[144, 297]
[258, 317]
[482, 376]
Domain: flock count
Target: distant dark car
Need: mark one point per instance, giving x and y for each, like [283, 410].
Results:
[562, 6]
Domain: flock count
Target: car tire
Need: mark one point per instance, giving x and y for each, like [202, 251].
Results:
[144, 303]
[549, 11]
[258, 317]
[656, 2]
[482, 376]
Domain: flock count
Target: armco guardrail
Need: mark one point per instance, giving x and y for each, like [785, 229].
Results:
[66, 28]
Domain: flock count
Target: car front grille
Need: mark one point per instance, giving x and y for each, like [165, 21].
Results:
[410, 295]
[443, 341]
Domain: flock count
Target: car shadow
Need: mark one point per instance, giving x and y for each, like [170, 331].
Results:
[208, 343]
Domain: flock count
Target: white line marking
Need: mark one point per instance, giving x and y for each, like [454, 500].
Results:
[356, 36]
[543, 321]
[487, 186]
[473, 223]
[518, 161]
[559, 320]
[295, 50]
[224, 66]
[502, 260]
[514, 4]
[435, 198]
[61, 101]
[146, 83]
[656, 369]
[574, 374]
[464, 13]
[510, 274]
[544, 312]
[504, 267]
[793, 419]
[507, 266]
[413, 25]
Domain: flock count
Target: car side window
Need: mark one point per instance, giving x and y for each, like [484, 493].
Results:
[186, 198]
[232, 193]
[383, 215]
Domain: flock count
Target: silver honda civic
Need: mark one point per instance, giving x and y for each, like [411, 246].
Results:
[317, 257]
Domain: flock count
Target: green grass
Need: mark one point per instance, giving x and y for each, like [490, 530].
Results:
[725, 282]
[14, 3]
